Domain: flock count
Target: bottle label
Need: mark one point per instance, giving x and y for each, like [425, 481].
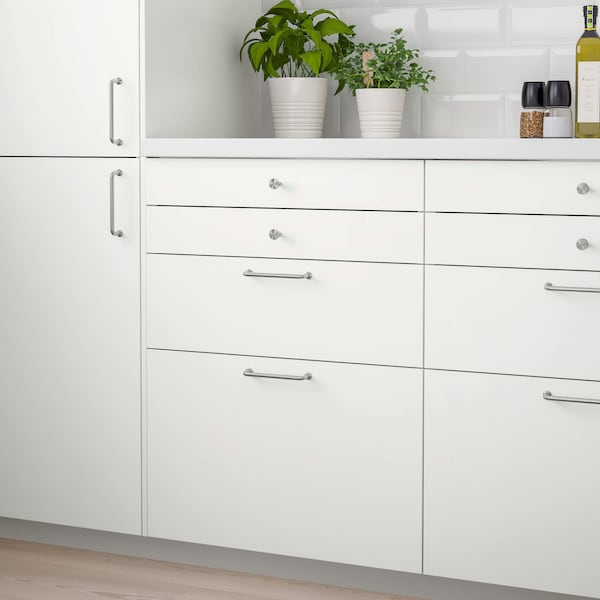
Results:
[588, 92]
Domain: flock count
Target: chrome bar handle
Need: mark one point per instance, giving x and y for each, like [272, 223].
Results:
[561, 288]
[552, 397]
[251, 373]
[251, 273]
[111, 111]
[113, 231]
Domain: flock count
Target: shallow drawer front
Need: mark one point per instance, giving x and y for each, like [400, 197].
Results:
[513, 187]
[354, 312]
[350, 184]
[505, 321]
[543, 242]
[511, 481]
[327, 468]
[326, 234]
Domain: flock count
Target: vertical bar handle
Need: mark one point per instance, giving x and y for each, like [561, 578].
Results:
[114, 232]
[111, 111]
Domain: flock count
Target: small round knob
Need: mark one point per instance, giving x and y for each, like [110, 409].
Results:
[583, 189]
[582, 244]
[274, 184]
[274, 234]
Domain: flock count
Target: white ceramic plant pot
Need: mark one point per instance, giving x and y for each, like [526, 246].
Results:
[380, 112]
[298, 106]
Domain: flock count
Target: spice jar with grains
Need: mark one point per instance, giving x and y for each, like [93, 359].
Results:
[532, 118]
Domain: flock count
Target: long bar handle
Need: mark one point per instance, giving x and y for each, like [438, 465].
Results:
[251, 373]
[111, 111]
[561, 288]
[113, 231]
[251, 273]
[551, 396]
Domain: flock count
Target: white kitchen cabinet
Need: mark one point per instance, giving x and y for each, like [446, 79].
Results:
[508, 321]
[330, 184]
[70, 331]
[326, 468]
[58, 59]
[517, 187]
[526, 241]
[350, 235]
[511, 482]
[319, 310]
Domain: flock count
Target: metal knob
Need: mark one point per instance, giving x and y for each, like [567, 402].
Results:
[274, 184]
[582, 244]
[583, 189]
[274, 234]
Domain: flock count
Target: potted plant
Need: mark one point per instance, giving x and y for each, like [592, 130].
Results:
[379, 75]
[292, 49]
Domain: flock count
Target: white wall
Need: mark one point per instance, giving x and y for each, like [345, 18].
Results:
[481, 51]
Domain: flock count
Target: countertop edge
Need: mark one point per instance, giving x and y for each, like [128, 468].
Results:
[382, 149]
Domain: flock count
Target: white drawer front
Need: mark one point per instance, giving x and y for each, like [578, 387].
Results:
[504, 321]
[513, 187]
[325, 234]
[349, 184]
[327, 468]
[349, 312]
[543, 242]
[511, 480]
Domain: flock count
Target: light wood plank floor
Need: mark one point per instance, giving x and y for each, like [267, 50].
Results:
[40, 572]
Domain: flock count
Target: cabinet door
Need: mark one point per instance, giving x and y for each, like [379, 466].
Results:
[512, 321]
[69, 357]
[56, 64]
[327, 468]
[348, 312]
[511, 482]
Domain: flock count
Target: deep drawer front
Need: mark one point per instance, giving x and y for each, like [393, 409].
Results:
[544, 242]
[514, 478]
[349, 312]
[513, 187]
[360, 184]
[505, 321]
[327, 468]
[325, 234]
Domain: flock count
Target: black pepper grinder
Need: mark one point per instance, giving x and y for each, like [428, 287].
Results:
[532, 118]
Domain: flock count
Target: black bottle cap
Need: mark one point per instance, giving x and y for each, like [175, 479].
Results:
[594, 8]
[558, 94]
[532, 95]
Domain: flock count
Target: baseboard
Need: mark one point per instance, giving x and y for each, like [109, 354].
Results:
[419, 586]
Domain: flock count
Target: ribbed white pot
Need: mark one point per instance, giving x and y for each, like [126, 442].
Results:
[380, 112]
[298, 106]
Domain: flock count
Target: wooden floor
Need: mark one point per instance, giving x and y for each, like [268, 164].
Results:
[39, 572]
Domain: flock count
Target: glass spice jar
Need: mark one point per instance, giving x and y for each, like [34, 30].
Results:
[532, 118]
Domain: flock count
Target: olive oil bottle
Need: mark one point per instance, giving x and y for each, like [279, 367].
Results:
[588, 77]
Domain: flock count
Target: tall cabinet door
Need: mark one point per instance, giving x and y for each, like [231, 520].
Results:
[69, 351]
[57, 62]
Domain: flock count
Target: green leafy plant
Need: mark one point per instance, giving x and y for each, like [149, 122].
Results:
[286, 42]
[387, 65]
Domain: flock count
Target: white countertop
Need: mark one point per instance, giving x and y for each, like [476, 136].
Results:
[403, 148]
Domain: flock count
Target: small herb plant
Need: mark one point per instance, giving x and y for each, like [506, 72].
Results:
[286, 42]
[387, 65]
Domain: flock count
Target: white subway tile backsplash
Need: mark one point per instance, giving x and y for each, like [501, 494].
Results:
[449, 68]
[534, 24]
[504, 69]
[464, 115]
[513, 115]
[480, 50]
[463, 26]
[562, 63]
[376, 24]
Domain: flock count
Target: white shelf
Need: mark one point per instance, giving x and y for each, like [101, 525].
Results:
[406, 148]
